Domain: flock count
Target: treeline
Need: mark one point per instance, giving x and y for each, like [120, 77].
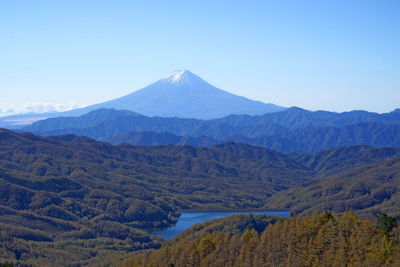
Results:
[319, 240]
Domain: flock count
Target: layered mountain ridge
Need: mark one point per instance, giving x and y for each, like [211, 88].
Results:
[292, 130]
[63, 192]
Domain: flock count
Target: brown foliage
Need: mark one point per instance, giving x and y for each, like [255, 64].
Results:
[319, 240]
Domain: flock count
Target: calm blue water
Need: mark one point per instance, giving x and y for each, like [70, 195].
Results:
[188, 219]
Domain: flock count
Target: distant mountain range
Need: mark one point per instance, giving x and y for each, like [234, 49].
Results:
[292, 130]
[183, 109]
[179, 94]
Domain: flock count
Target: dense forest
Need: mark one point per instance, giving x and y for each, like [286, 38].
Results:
[73, 200]
[318, 240]
[69, 198]
[297, 166]
[366, 189]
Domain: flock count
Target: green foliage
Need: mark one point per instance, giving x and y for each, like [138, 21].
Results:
[386, 223]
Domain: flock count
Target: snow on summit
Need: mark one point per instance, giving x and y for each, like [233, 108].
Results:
[182, 94]
[175, 76]
[180, 76]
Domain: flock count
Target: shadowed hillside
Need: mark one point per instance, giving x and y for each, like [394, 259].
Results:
[69, 191]
[366, 189]
[292, 130]
[337, 160]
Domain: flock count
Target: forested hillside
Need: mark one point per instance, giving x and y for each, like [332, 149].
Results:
[365, 189]
[60, 193]
[340, 159]
[319, 240]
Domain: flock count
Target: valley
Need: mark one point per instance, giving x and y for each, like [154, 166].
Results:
[103, 185]
[72, 191]
[200, 133]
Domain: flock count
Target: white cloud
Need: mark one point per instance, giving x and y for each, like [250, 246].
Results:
[36, 107]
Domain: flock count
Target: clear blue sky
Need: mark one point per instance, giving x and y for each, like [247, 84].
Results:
[335, 55]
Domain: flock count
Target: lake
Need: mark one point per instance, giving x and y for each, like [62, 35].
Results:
[188, 219]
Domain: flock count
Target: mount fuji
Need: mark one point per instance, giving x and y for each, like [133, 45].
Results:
[179, 94]
[185, 95]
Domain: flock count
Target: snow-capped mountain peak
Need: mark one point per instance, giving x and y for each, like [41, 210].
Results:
[185, 95]
[179, 76]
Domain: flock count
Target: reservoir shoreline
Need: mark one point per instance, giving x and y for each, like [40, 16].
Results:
[191, 217]
[233, 210]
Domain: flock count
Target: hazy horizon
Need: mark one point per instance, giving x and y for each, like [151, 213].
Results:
[337, 56]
